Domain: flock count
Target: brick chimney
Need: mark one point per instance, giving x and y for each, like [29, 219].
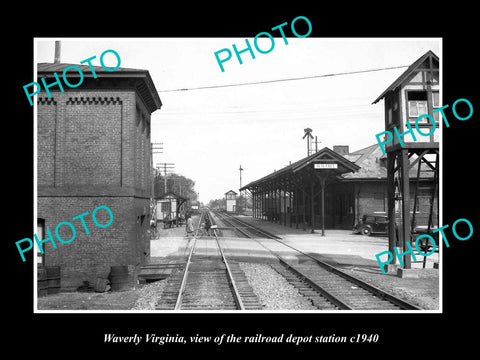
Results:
[58, 48]
[341, 149]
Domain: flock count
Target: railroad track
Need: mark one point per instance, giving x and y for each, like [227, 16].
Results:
[243, 228]
[208, 282]
[327, 286]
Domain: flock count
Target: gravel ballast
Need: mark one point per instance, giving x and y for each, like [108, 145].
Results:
[273, 290]
[149, 294]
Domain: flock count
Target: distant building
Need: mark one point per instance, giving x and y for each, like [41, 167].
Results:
[94, 148]
[170, 208]
[231, 201]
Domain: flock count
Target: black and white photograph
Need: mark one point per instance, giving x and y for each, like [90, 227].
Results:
[262, 192]
[278, 189]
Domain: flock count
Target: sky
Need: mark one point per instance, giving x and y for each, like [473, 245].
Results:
[209, 133]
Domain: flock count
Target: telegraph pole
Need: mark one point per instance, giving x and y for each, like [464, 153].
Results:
[165, 167]
[316, 143]
[308, 135]
[240, 169]
[156, 148]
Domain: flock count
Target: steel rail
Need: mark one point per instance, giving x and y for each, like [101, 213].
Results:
[332, 298]
[237, 298]
[229, 221]
[178, 303]
[342, 305]
[253, 228]
[373, 289]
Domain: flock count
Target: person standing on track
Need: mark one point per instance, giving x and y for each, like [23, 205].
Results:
[189, 226]
[208, 224]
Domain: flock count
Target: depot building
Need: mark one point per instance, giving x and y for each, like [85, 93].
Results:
[333, 189]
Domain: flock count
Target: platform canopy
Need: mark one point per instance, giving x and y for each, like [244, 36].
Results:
[325, 163]
[307, 176]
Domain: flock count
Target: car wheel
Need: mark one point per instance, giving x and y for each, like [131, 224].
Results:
[366, 231]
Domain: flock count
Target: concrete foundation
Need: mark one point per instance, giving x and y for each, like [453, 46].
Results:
[408, 273]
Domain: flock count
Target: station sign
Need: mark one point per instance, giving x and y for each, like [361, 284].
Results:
[325, 166]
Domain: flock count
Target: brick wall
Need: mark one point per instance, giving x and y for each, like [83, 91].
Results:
[88, 140]
[372, 198]
[91, 141]
[91, 255]
[94, 149]
[46, 141]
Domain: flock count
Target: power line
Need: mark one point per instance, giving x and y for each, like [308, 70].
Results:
[289, 79]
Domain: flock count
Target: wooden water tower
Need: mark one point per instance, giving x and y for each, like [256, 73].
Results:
[413, 94]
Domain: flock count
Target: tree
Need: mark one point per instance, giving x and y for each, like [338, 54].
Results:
[177, 184]
[241, 204]
[217, 204]
[220, 203]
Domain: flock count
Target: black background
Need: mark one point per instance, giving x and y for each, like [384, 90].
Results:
[401, 335]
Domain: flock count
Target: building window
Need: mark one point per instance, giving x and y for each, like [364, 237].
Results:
[379, 202]
[388, 102]
[389, 116]
[41, 236]
[417, 104]
[138, 118]
[143, 123]
[436, 105]
[417, 108]
[423, 204]
[166, 206]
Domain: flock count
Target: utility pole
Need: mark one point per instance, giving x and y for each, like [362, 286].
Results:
[240, 169]
[309, 136]
[156, 148]
[165, 167]
[316, 143]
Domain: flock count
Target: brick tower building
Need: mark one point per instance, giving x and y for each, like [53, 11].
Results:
[93, 149]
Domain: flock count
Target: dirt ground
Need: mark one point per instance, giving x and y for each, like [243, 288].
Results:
[422, 291]
[121, 300]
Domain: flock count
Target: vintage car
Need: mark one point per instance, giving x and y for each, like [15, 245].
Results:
[372, 224]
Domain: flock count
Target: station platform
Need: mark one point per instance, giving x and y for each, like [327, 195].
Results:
[172, 244]
[340, 248]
